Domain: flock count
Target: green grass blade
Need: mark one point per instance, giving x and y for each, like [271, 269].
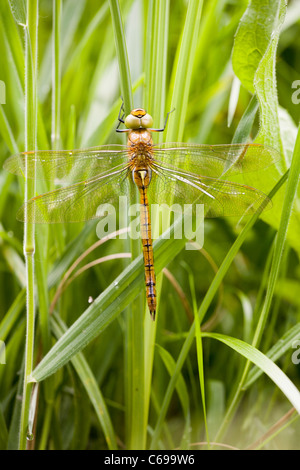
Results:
[265, 364]
[181, 389]
[282, 346]
[29, 241]
[245, 125]
[12, 315]
[6, 132]
[183, 69]
[105, 308]
[200, 362]
[155, 99]
[159, 64]
[125, 79]
[88, 380]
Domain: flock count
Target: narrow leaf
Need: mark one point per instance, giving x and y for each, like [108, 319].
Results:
[265, 364]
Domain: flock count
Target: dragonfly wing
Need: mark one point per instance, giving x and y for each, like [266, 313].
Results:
[79, 202]
[68, 165]
[220, 198]
[215, 160]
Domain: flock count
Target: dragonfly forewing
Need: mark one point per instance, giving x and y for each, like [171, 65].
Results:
[68, 166]
[78, 202]
[216, 160]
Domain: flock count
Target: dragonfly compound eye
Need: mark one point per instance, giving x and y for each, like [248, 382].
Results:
[132, 122]
[147, 121]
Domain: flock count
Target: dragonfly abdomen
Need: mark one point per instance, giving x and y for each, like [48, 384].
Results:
[142, 179]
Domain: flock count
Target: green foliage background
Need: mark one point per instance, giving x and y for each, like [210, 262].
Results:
[228, 68]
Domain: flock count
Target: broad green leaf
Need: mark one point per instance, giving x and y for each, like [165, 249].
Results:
[253, 39]
[254, 62]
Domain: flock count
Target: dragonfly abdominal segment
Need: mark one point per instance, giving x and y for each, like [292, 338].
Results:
[140, 158]
[142, 180]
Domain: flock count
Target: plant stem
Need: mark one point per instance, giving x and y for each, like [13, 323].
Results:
[56, 75]
[29, 235]
[134, 350]
[124, 70]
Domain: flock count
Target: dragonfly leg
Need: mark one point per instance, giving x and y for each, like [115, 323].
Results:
[165, 124]
[121, 119]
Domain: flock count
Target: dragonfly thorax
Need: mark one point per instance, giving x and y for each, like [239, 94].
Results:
[139, 136]
[140, 149]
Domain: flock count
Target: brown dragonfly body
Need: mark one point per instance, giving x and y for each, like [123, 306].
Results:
[142, 180]
[169, 173]
[140, 151]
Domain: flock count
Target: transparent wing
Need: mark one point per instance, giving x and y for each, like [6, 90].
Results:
[215, 160]
[68, 165]
[220, 198]
[78, 202]
[184, 173]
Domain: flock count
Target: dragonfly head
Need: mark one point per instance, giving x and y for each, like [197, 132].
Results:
[138, 118]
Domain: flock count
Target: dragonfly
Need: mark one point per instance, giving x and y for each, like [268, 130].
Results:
[181, 172]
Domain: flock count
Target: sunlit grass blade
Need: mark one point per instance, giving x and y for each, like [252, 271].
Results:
[125, 79]
[88, 380]
[183, 69]
[6, 132]
[29, 236]
[105, 308]
[181, 389]
[135, 416]
[245, 125]
[70, 253]
[12, 315]
[156, 64]
[282, 346]
[265, 364]
[200, 362]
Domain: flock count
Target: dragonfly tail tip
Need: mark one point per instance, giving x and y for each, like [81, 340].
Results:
[153, 313]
